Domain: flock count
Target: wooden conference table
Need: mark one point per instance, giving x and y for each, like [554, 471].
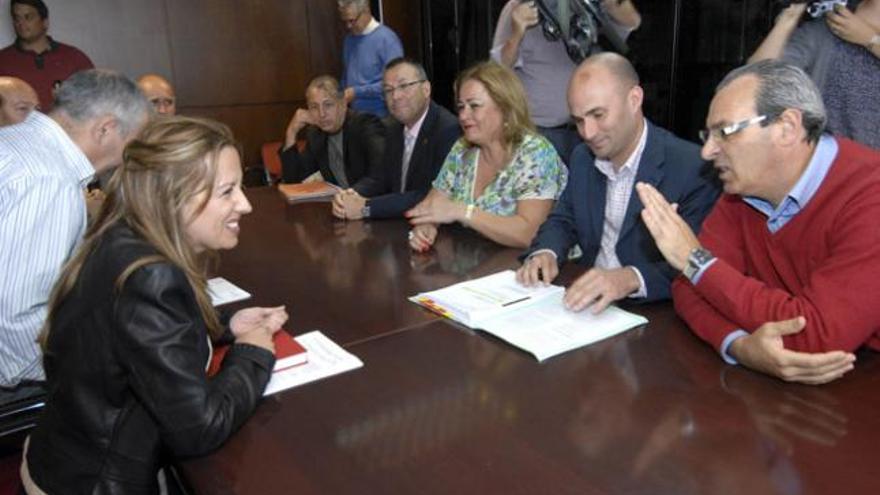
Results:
[440, 409]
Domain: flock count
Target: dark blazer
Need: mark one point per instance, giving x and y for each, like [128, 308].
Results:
[670, 164]
[439, 132]
[126, 377]
[363, 146]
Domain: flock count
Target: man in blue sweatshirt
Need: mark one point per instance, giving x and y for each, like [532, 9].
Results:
[366, 49]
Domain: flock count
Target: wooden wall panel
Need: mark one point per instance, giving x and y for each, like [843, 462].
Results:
[249, 65]
[325, 33]
[252, 125]
[238, 52]
[405, 18]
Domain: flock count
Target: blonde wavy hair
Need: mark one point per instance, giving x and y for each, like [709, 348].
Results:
[506, 90]
[173, 160]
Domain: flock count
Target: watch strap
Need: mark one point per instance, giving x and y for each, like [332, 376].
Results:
[698, 259]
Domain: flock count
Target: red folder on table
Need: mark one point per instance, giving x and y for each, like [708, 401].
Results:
[288, 353]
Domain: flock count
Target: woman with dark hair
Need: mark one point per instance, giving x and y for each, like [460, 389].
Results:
[128, 335]
[502, 177]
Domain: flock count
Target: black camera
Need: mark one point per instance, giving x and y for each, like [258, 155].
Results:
[585, 25]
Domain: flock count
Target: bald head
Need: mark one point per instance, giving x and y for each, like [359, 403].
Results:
[605, 101]
[160, 93]
[17, 100]
[613, 64]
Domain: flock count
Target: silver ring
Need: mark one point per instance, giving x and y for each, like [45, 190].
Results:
[410, 235]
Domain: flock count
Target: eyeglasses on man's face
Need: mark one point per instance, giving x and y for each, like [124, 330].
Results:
[722, 133]
[402, 87]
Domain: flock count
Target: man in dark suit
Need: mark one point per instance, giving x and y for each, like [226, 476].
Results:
[418, 140]
[598, 210]
[344, 145]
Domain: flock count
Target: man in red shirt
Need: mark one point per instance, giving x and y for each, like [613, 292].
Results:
[35, 57]
[784, 275]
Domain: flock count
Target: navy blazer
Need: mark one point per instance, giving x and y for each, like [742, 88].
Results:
[438, 133]
[362, 148]
[670, 164]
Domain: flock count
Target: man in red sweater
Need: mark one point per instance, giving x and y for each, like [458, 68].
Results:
[786, 271]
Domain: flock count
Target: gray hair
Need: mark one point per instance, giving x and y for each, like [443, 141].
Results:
[360, 4]
[782, 86]
[91, 93]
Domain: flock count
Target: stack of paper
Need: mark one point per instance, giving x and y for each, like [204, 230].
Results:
[533, 319]
[326, 358]
[477, 300]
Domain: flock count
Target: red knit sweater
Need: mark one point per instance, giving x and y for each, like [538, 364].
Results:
[824, 264]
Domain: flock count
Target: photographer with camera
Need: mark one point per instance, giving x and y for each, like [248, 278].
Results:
[544, 65]
[840, 49]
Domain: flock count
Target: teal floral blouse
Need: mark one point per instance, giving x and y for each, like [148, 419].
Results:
[535, 172]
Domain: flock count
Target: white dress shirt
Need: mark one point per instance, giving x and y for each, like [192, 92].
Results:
[410, 135]
[619, 189]
[42, 219]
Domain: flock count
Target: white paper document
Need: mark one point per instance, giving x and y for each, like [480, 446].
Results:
[223, 291]
[548, 328]
[531, 318]
[474, 301]
[326, 358]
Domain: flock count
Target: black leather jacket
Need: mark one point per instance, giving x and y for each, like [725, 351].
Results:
[126, 378]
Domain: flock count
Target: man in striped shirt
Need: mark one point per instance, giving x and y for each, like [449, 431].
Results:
[45, 163]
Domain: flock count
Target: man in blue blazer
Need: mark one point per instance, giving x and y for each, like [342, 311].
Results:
[599, 211]
[418, 139]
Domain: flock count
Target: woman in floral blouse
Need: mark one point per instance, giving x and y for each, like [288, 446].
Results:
[502, 178]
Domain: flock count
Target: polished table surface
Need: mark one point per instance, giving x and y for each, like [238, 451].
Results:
[438, 408]
[348, 279]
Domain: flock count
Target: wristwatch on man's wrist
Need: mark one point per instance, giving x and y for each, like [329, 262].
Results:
[697, 260]
[365, 211]
[874, 42]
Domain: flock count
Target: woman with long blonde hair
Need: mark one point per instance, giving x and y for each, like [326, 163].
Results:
[130, 324]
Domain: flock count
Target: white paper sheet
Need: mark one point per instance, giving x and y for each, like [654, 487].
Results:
[474, 301]
[531, 318]
[326, 358]
[223, 291]
[548, 328]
